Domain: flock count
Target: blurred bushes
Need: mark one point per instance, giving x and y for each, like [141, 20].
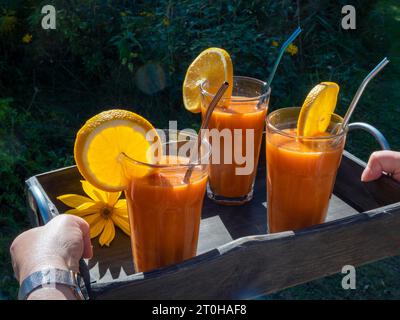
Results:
[101, 45]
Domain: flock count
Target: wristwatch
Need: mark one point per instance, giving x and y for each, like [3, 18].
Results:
[50, 278]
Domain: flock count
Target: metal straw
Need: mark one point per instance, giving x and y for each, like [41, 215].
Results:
[204, 125]
[358, 94]
[281, 52]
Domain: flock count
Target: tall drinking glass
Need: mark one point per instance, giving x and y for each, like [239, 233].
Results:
[301, 171]
[236, 130]
[164, 211]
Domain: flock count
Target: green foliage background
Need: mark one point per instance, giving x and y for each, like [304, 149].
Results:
[134, 54]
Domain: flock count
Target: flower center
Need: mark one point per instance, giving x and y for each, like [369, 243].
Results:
[106, 212]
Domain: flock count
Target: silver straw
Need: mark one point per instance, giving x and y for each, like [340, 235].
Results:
[359, 92]
[204, 125]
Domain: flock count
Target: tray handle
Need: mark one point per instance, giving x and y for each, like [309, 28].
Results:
[379, 137]
[40, 206]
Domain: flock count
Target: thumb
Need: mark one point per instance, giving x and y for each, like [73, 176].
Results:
[370, 173]
[382, 161]
[87, 244]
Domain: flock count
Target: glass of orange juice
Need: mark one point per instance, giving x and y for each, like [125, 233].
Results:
[236, 129]
[165, 211]
[301, 171]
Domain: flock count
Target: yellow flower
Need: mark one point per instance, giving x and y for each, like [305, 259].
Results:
[292, 49]
[7, 24]
[27, 38]
[102, 210]
[146, 14]
[166, 22]
[275, 43]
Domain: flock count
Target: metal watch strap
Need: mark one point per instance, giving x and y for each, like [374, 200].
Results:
[48, 277]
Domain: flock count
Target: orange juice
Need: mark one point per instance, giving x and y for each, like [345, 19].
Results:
[239, 122]
[300, 178]
[224, 180]
[163, 174]
[164, 215]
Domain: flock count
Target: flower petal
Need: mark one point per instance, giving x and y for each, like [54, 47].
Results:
[80, 213]
[93, 192]
[108, 233]
[96, 223]
[85, 209]
[122, 223]
[122, 213]
[121, 204]
[112, 198]
[73, 200]
[92, 219]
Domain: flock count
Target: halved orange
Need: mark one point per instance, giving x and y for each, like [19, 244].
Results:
[103, 139]
[318, 107]
[213, 65]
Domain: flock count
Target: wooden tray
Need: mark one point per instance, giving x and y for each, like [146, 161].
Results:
[236, 258]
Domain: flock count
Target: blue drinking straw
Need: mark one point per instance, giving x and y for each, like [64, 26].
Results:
[281, 52]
